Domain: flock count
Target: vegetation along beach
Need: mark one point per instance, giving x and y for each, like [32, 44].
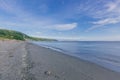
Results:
[59, 39]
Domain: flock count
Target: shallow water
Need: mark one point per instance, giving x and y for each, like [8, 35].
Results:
[106, 54]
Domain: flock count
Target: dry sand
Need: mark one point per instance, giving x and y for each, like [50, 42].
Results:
[26, 61]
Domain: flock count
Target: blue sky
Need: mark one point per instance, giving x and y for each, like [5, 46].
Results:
[63, 19]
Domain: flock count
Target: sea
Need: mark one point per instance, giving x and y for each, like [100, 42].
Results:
[103, 53]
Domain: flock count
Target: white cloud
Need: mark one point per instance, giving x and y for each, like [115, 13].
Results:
[107, 21]
[103, 22]
[108, 13]
[62, 27]
[113, 6]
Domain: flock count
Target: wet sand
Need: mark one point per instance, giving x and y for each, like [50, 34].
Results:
[26, 61]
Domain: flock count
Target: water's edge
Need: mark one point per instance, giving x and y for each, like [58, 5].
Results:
[108, 66]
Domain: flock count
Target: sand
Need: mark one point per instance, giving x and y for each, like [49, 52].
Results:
[26, 61]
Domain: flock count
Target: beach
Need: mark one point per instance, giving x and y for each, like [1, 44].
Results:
[21, 60]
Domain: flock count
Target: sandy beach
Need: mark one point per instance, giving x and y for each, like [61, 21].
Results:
[21, 60]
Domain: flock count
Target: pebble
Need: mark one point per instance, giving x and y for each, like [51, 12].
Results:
[47, 73]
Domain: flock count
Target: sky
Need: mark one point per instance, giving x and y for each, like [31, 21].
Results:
[63, 19]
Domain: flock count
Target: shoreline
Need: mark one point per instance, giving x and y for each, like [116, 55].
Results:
[72, 56]
[24, 60]
[97, 68]
[115, 69]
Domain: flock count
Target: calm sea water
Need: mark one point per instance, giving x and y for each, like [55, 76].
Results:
[106, 54]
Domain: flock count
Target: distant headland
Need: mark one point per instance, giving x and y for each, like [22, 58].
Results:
[16, 35]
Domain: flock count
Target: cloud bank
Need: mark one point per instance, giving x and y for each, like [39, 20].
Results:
[110, 14]
[63, 27]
